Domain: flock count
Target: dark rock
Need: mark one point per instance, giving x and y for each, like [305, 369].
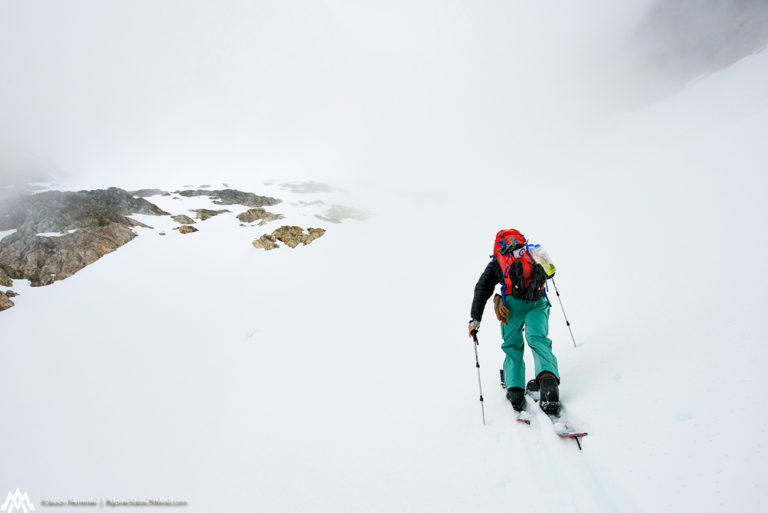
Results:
[258, 214]
[43, 260]
[5, 280]
[5, 303]
[266, 242]
[289, 235]
[313, 234]
[10, 293]
[204, 213]
[292, 236]
[56, 211]
[187, 229]
[182, 219]
[232, 197]
[98, 221]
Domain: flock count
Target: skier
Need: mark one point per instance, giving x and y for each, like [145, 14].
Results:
[522, 269]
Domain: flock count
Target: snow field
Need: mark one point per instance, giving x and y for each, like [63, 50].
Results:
[339, 377]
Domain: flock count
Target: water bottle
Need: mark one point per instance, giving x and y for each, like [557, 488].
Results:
[540, 256]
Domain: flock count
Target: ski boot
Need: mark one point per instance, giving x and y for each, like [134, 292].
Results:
[549, 395]
[516, 396]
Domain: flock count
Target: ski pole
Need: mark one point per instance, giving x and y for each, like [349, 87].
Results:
[480, 384]
[567, 322]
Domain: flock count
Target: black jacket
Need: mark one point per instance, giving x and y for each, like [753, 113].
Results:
[484, 288]
[493, 275]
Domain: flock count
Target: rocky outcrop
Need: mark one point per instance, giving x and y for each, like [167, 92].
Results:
[266, 242]
[43, 260]
[232, 197]
[291, 236]
[5, 280]
[56, 211]
[187, 229]
[204, 213]
[182, 219]
[258, 214]
[5, 303]
[10, 293]
[94, 223]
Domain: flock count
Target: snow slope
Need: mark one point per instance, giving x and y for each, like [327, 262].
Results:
[338, 376]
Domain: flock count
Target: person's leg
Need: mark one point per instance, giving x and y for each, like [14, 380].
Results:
[512, 334]
[536, 331]
[547, 376]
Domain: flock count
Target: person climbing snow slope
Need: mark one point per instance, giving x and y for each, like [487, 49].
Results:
[522, 270]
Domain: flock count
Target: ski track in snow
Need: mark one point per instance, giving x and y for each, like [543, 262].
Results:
[566, 479]
[584, 491]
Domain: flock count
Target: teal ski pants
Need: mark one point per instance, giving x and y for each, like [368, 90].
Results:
[534, 316]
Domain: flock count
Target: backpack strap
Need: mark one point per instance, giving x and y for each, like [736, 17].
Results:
[544, 293]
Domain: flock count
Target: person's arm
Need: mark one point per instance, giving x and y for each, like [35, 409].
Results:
[484, 289]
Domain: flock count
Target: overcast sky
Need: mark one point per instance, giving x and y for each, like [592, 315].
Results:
[327, 90]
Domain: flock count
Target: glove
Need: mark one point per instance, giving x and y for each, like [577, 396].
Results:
[502, 312]
[473, 326]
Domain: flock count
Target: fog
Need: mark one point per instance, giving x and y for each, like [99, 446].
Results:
[145, 93]
[128, 91]
[678, 41]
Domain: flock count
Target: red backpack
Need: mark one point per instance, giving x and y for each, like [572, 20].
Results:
[523, 277]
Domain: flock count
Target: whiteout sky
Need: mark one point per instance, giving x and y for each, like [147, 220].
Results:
[344, 91]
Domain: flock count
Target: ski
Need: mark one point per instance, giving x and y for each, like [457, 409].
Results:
[564, 428]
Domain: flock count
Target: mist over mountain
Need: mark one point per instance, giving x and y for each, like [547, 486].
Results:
[677, 41]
